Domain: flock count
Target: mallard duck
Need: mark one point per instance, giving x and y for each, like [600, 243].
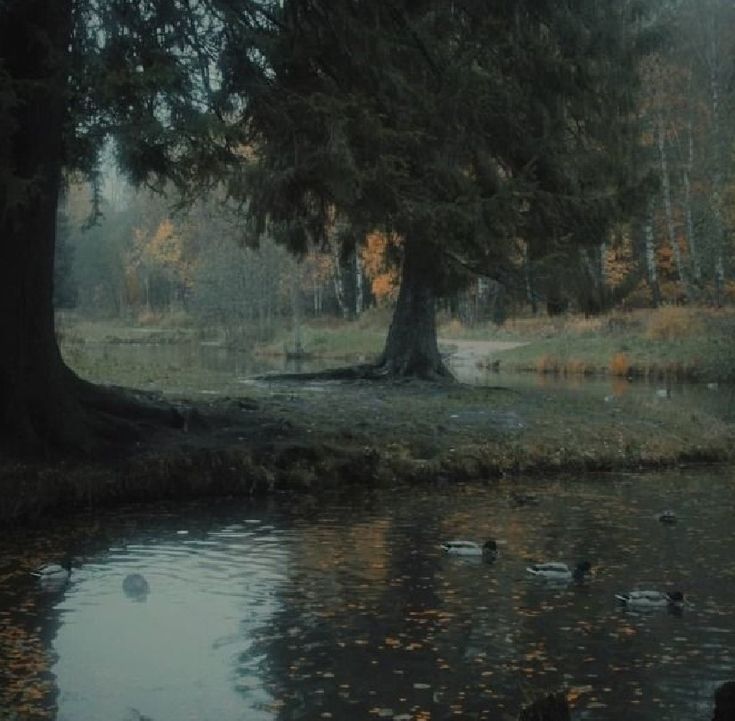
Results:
[651, 599]
[53, 573]
[524, 499]
[555, 571]
[667, 516]
[489, 549]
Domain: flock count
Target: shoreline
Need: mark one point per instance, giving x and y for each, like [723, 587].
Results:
[313, 438]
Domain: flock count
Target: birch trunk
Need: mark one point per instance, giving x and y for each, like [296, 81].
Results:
[666, 190]
[718, 181]
[691, 236]
[649, 252]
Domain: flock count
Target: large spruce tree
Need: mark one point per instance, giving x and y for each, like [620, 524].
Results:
[74, 73]
[474, 131]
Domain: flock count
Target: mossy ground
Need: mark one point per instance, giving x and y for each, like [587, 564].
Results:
[307, 437]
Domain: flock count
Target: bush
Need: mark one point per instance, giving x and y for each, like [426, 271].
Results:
[620, 365]
[673, 323]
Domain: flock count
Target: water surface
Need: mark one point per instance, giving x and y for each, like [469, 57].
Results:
[193, 369]
[347, 609]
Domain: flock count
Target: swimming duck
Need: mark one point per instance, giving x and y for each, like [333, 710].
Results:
[667, 516]
[651, 599]
[555, 571]
[524, 499]
[135, 587]
[489, 549]
[53, 574]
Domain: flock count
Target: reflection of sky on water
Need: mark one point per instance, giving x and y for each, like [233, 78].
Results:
[171, 657]
[350, 610]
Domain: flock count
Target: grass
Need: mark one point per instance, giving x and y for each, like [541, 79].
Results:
[343, 341]
[681, 343]
[674, 342]
[297, 438]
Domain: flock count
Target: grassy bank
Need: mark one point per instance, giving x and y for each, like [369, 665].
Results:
[681, 343]
[248, 438]
[311, 437]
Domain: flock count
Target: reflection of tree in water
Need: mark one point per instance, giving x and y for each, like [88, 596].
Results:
[360, 629]
[575, 636]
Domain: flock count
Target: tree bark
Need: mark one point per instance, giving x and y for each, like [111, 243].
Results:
[411, 348]
[649, 255]
[43, 405]
[668, 207]
[34, 402]
[691, 237]
[712, 54]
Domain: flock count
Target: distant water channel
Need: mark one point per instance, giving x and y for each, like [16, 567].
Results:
[292, 610]
[197, 370]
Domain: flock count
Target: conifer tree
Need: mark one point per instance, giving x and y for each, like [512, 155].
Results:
[72, 75]
[468, 129]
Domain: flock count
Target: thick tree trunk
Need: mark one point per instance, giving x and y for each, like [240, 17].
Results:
[35, 402]
[43, 405]
[411, 348]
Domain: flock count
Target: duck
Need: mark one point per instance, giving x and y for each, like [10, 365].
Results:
[489, 549]
[524, 499]
[555, 571]
[651, 599]
[135, 587]
[667, 516]
[53, 574]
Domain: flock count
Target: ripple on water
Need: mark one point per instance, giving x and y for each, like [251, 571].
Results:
[353, 610]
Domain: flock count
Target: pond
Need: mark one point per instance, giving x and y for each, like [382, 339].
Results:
[196, 370]
[347, 608]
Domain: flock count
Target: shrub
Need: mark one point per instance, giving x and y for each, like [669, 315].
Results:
[620, 365]
[548, 364]
[673, 323]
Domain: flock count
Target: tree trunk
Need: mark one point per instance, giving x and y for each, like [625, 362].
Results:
[337, 274]
[691, 237]
[668, 208]
[649, 253]
[43, 405]
[718, 179]
[359, 292]
[411, 348]
[528, 278]
[35, 400]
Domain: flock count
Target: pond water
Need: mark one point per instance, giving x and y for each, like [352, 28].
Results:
[347, 609]
[193, 369]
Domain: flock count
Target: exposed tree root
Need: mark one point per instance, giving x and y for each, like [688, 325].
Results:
[366, 372]
[75, 417]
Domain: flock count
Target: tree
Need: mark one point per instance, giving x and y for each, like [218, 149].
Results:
[459, 127]
[71, 74]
